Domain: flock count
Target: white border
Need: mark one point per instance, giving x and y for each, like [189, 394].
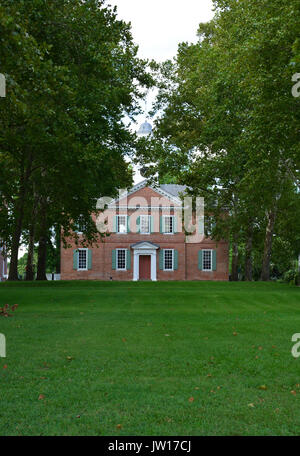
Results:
[87, 260]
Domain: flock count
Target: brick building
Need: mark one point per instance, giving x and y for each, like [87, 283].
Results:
[147, 242]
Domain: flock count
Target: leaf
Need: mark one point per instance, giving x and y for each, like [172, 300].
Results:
[5, 366]
[191, 399]
[251, 405]
[293, 392]
[263, 387]
[119, 426]
[41, 397]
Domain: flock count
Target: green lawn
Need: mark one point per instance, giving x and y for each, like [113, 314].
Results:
[90, 358]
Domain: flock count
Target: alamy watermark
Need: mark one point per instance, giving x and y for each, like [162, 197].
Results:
[2, 346]
[296, 87]
[187, 217]
[295, 348]
[2, 86]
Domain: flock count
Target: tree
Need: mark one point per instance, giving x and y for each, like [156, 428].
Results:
[62, 128]
[229, 125]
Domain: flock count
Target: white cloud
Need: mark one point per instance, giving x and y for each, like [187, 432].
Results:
[159, 25]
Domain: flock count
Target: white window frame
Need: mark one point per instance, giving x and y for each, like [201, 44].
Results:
[87, 260]
[77, 231]
[149, 224]
[117, 254]
[126, 223]
[172, 250]
[211, 260]
[164, 224]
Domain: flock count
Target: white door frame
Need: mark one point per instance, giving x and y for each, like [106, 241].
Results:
[144, 248]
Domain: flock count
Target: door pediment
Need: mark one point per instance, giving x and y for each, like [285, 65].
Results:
[145, 245]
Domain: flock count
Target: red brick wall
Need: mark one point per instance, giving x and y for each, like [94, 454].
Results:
[187, 260]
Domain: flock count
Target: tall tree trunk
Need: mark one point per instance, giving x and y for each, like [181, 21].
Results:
[13, 267]
[235, 259]
[29, 265]
[58, 248]
[43, 241]
[271, 217]
[19, 214]
[248, 253]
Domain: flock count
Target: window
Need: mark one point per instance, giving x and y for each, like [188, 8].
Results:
[209, 225]
[144, 224]
[207, 260]
[169, 224]
[168, 260]
[121, 259]
[82, 260]
[80, 226]
[121, 224]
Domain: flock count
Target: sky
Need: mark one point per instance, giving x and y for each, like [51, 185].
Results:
[158, 26]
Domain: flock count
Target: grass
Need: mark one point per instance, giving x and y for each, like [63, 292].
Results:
[90, 358]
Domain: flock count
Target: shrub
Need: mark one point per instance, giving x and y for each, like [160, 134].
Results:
[291, 277]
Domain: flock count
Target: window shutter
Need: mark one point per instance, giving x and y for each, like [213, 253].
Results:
[128, 224]
[151, 224]
[214, 260]
[200, 260]
[75, 259]
[128, 260]
[115, 220]
[175, 260]
[89, 259]
[175, 224]
[114, 259]
[161, 259]
[138, 224]
[161, 224]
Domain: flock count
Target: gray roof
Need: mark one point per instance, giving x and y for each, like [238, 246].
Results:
[174, 189]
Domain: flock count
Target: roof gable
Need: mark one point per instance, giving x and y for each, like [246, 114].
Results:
[161, 192]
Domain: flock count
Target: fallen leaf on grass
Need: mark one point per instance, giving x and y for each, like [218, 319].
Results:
[263, 387]
[191, 399]
[70, 358]
[251, 405]
[119, 426]
[41, 397]
[235, 333]
[293, 392]
[5, 366]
